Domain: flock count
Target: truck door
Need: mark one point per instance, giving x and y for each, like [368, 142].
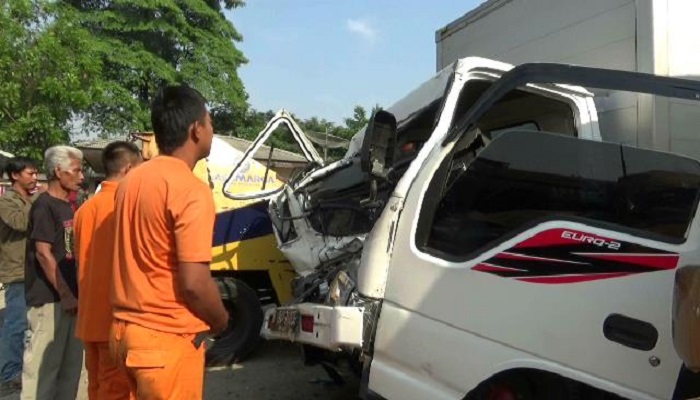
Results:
[536, 256]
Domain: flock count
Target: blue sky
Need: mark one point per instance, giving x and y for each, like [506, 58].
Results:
[322, 57]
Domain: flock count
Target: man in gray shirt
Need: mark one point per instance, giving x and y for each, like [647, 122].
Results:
[14, 221]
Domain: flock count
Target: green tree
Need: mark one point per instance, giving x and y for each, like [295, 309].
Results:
[356, 122]
[242, 123]
[44, 82]
[144, 44]
[360, 118]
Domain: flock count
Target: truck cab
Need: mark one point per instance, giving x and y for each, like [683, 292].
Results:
[480, 240]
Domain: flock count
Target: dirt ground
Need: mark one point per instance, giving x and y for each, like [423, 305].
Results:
[275, 371]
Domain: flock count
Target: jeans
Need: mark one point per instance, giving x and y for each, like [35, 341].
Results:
[13, 332]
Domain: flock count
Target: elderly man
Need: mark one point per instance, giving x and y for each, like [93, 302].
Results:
[14, 221]
[53, 358]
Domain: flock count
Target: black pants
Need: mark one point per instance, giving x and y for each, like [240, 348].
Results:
[687, 385]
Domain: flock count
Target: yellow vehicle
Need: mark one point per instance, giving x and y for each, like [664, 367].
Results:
[249, 268]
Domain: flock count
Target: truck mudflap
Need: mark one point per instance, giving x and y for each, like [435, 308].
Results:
[327, 327]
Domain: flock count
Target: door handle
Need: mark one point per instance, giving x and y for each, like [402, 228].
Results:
[630, 332]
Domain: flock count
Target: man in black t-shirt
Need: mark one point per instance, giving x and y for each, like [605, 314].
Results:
[54, 356]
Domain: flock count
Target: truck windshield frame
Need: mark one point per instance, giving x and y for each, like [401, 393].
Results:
[562, 74]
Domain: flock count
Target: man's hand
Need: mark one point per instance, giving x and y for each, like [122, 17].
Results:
[69, 303]
[53, 275]
[220, 326]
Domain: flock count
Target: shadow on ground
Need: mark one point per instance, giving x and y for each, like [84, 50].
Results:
[277, 371]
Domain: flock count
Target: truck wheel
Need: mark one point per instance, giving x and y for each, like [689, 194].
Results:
[243, 333]
[507, 387]
[528, 385]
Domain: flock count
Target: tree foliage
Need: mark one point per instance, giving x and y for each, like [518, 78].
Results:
[143, 44]
[94, 65]
[44, 81]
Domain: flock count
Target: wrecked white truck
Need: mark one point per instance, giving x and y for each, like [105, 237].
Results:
[479, 241]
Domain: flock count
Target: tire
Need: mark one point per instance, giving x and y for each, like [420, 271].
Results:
[506, 387]
[527, 385]
[242, 336]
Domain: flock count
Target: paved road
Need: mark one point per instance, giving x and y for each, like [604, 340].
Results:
[275, 371]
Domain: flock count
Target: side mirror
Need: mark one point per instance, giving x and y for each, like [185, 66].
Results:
[379, 145]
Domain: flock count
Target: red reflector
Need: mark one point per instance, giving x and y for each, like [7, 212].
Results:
[307, 323]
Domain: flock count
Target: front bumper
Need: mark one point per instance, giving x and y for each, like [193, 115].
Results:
[327, 327]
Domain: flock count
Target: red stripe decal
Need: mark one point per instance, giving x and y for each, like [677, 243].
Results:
[657, 261]
[516, 256]
[552, 237]
[493, 268]
[555, 280]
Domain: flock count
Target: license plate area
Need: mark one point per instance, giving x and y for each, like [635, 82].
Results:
[283, 321]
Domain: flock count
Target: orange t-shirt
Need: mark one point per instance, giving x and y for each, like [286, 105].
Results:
[94, 241]
[164, 215]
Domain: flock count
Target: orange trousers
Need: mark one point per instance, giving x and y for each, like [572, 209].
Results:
[158, 365]
[106, 381]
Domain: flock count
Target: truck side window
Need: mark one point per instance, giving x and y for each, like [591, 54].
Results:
[523, 178]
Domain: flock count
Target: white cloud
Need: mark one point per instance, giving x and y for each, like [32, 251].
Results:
[363, 28]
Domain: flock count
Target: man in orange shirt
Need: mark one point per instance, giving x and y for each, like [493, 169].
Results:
[163, 296]
[94, 241]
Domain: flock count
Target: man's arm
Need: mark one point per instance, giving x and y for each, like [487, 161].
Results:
[193, 216]
[201, 294]
[48, 263]
[14, 214]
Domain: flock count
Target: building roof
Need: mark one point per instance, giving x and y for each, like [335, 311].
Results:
[92, 151]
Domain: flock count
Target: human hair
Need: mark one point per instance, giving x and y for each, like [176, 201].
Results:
[118, 155]
[173, 110]
[15, 165]
[60, 156]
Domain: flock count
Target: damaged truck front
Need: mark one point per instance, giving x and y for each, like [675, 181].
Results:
[479, 239]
